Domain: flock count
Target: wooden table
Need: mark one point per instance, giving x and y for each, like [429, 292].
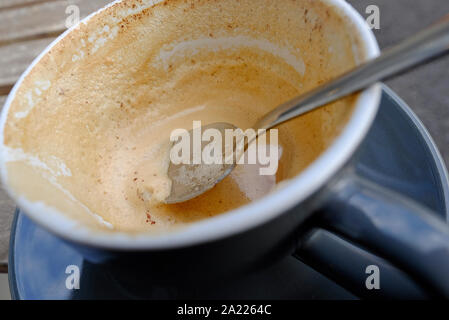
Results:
[28, 26]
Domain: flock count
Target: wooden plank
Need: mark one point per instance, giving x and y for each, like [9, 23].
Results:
[7, 207]
[41, 20]
[15, 58]
[2, 101]
[7, 4]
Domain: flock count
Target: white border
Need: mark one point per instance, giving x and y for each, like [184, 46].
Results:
[241, 219]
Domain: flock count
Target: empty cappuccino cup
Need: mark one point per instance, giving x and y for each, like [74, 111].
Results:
[86, 127]
[83, 130]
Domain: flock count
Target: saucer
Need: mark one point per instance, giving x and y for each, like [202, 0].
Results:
[398, 153]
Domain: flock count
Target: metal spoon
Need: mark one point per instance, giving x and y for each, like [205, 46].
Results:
[421, 48]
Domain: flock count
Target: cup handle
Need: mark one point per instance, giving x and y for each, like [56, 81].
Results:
[391, 226]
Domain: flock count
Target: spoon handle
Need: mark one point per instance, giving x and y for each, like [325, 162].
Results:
[414, 51]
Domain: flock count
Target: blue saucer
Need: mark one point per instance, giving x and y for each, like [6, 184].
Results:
[398, 153]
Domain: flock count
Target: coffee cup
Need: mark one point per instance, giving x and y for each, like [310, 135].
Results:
[90, 104]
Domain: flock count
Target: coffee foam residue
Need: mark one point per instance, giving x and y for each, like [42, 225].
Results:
[32, 97]
[178, 115]
[50, 170]
[193, 47]
[56, 167]
[102, 35]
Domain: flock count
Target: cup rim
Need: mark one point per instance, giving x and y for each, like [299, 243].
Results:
[235, 221]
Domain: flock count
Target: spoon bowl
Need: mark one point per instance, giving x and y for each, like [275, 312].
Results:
[190, 180]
